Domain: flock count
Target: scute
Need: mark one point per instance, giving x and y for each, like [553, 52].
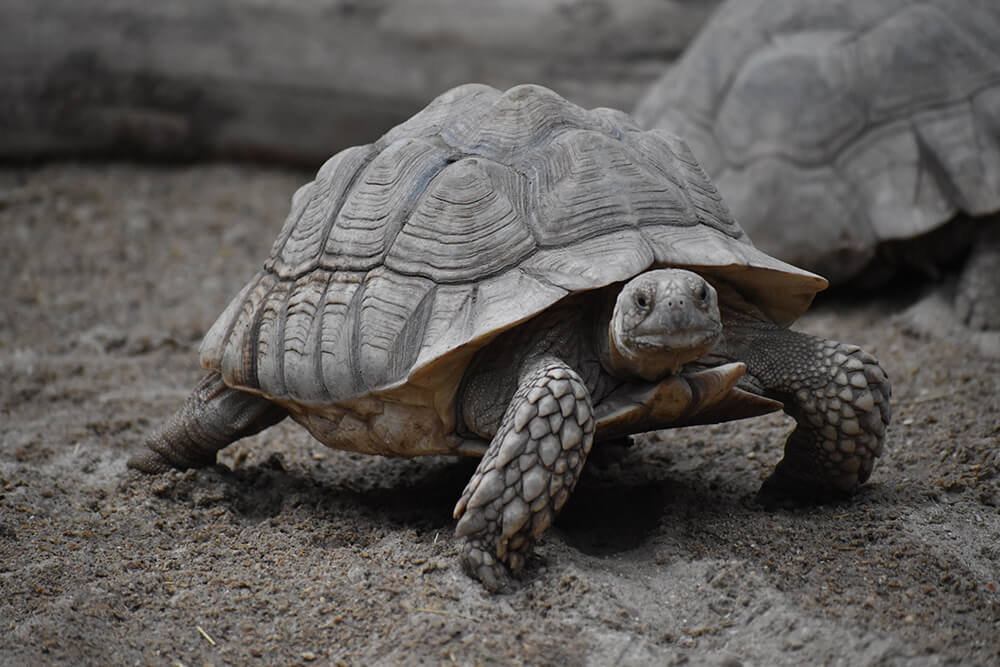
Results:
[892, 102]
[302, 334]
[381, 202]
[794, 72]
[340, 306]
[473, 208]
[587, 184]
[389, 325]
[404, 257]
[300, 244]
[520, 120]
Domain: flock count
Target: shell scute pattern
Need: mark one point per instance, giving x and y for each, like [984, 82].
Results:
[834, 125]
[473, 209]
[239, 358]
[476, 214]
[385, 326]
[381, 203]
[583, 187]
[299, 247]
[336, 337]
[966, 57]
[519, 121]
[303, 376]
[452, 105]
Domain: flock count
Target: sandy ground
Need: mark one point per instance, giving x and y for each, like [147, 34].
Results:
[291, 553]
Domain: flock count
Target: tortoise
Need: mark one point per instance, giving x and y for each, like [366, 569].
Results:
[856, 138]
[510, 276]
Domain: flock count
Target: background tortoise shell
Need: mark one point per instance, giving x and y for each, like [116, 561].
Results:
[833, 125]
[405, 256]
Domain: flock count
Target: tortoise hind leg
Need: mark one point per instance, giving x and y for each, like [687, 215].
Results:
[837, 393]
[977, 298]
[527, 473]
[213, 416]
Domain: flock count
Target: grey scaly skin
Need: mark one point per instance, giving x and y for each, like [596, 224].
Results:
[837, 393]
[212, 417]
[540, 421]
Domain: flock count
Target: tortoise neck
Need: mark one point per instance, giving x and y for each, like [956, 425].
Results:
[603, 335]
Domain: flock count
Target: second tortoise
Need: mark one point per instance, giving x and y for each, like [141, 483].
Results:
[856, 138]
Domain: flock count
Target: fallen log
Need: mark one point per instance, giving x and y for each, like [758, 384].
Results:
[296, 80]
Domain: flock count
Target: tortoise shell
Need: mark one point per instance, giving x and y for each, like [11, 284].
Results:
[833, 125]
[405, 256]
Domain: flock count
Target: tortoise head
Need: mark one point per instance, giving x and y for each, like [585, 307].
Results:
[662, 319]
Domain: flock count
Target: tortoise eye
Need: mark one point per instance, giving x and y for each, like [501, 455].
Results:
[642, 301]
[703, 293]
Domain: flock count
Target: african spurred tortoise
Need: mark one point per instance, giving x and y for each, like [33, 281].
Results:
[508, 275]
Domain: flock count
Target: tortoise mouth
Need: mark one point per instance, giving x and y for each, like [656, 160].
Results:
[656, 356]
[676, 339]
[680, 347]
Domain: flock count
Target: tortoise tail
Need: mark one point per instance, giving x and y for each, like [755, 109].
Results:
[213, 416]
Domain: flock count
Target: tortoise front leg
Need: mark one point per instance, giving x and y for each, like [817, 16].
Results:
[528, 472]
[838, 395]
[213, 416]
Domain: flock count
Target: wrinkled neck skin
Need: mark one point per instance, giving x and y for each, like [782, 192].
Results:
[611, 361]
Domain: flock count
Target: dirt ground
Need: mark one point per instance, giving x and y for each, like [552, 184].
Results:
[289, 553]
